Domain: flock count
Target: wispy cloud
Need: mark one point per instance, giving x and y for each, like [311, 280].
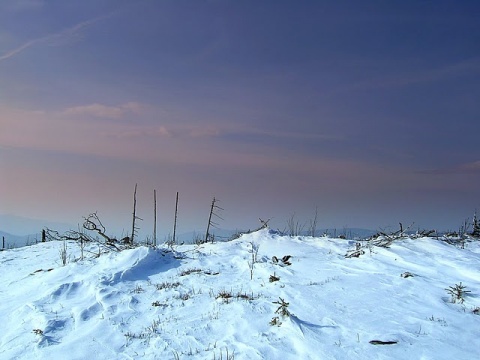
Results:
[59, 38]
[104, 111]
[166, 131]
[461, 68]
[132, 132]
[457, 69]
[465, 168]
[19, 49]
[161, 139]
[204, 131]
[473, 166]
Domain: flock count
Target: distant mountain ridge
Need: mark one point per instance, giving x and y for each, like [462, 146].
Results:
[20, 231]
[9, 241]
[23, 226]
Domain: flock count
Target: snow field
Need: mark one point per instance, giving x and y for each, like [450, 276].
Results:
[198, 302]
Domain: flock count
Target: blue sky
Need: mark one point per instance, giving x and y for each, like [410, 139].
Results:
[367, 110]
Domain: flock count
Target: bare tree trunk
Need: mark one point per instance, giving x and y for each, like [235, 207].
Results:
[313, 223]
[175, 220]
[209, 220]
[44, 236]
[134, 214]
[3, 242]
[154, 217]
[213, 212]
[294, 227]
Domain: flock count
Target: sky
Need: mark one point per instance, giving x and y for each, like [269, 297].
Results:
[367, 111]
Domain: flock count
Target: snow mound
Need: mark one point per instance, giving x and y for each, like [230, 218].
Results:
[202, 302]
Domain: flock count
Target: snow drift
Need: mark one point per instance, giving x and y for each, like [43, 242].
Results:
[198, 302]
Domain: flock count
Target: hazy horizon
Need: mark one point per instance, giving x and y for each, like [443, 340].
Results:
[21, 227]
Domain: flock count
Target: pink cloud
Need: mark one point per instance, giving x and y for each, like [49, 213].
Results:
[470, 167]
[132, 132]
[96, 110]
[104, 111]
[205, 131]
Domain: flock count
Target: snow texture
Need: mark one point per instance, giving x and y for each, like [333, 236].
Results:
[198, 302]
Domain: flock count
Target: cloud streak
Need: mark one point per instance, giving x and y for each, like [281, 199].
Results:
[464, 168]
[104, 111]
[58, 38]
[462, 68]
[165, 141]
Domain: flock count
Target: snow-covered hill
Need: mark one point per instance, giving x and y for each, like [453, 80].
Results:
[199, 302]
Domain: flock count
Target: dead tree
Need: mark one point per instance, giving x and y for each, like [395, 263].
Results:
[382, 239]
[264, 224]
[92, 223]
[356, 252]
[294, 227]
[211, 223]
[240, 233]
[134, 216]
[175, 220]
[154, 217]
[313, 224]
[425, 233]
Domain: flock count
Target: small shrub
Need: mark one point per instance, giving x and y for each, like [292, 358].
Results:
[228, 356]
[284, 261]
[458, 293]
[275, 321]
[282, 307]
[129, 335]
[158, 304]
[154, 326]
[138, 289]
[38, 331]
[442, 322]
[189, 271]
[225, 295]
[184, 297]
[245, 296]
[167, 285]
[273, 278]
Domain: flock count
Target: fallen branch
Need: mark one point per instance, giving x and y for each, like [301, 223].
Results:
[380, 342]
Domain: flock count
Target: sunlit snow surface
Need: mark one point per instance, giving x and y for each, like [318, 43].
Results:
[144, 304]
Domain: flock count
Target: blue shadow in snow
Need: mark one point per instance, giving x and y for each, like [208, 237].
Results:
[302, 325]
[154, 262]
